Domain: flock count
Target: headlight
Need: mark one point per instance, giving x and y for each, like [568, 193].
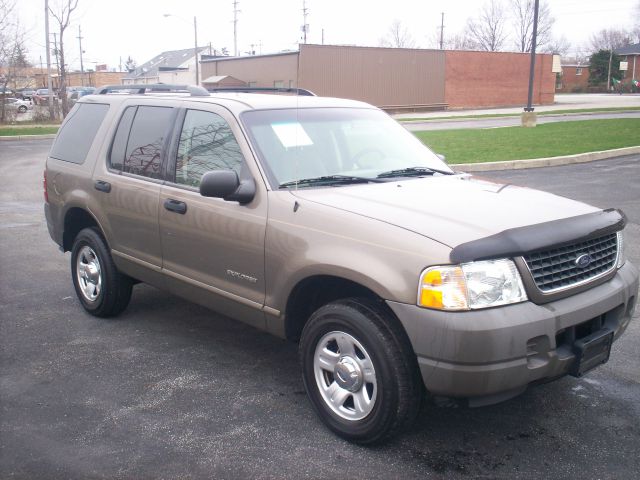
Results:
[622, 254]
[471, 286]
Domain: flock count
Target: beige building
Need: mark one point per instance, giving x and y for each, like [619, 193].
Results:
[397, 79]
[174, 66]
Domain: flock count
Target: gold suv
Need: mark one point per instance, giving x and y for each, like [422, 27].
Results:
[325, 222]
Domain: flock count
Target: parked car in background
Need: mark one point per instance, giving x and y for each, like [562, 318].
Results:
[79, 93]
[25, 93]
[17, 104]
[41, 96]
[6, 91]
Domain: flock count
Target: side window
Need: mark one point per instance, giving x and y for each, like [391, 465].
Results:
[206, 143]
[119, 147]
[137, 146]
[75, 138]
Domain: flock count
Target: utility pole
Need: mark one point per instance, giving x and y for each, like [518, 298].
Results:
[195, 49]
[47, 42]
[442, 31]
[609, 71]
[528, 117]
[305, 25]
[81, 52]
[235, 27]
[56, 52]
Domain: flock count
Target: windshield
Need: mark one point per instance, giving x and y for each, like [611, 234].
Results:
[311, 143]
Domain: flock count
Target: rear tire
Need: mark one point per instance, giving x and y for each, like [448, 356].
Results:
[102, 290]
[359, 370]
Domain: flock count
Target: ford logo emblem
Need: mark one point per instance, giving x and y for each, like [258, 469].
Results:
[583, 261]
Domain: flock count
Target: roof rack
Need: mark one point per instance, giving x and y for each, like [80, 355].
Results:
[141, 89]
[298, 91]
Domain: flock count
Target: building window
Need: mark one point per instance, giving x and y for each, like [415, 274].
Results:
[278, 83]
[252, 84]
[579, 71]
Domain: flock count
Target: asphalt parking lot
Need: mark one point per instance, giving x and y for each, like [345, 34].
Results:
[171, 390]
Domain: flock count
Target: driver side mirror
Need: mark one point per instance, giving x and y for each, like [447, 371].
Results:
[225, 184]
[441, 157]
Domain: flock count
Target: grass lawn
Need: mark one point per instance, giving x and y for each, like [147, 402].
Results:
[550, 112]
[518, 143]
[12, 131]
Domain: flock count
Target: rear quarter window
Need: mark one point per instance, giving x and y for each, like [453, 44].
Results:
[76, 135]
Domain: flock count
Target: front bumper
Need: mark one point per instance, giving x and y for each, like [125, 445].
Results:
[491, 355]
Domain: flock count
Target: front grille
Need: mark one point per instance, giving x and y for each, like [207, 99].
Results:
[556, 268]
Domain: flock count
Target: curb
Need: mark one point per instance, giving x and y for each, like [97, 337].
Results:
[545, 162]
[8, 138]
[480, 117]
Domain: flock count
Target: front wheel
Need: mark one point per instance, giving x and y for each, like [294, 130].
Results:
[102, 290]
[359, 370]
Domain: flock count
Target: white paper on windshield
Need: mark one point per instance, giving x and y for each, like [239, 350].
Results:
[291, 134]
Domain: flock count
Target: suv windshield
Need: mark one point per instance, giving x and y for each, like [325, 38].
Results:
[311, 143]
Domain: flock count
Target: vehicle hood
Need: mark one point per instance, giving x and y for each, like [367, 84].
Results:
[452, 209]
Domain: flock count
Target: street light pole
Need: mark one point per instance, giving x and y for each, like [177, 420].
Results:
[532, 65]
[195, 49]
[195, 38]
[47, 43]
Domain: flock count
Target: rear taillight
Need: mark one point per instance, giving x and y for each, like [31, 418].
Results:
[44, 186]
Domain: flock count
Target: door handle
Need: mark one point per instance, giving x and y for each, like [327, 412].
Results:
[102, 186]
[175, 206]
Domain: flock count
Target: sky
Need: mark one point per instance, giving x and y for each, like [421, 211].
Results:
[113, 30]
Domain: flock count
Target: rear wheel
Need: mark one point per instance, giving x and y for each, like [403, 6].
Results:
[359, 370]
[102, 290]
[22, 109]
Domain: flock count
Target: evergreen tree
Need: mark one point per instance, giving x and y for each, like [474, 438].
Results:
[599, 67]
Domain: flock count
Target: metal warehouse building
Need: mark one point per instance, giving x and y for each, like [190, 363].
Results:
[396, 79]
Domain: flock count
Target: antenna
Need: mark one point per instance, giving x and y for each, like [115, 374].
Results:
[236, 11]
[442, 31]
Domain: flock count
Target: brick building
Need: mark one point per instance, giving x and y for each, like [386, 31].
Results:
[573, 79]
[631, 55]
[397, 79]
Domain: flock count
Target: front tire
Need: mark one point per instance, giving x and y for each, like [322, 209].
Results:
[359, 370]
[102, 290]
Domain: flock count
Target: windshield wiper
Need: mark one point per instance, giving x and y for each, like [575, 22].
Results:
[330, 180]
[412, 172]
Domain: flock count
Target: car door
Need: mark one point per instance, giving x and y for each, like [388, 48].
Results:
[129, 188]
[213, 250]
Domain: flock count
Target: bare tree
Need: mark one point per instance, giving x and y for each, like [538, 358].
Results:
[636, 26]
[62, 14]
[130, 65]
[487, 31]
[523, 11]
[454, 41]
[559, 45]
[398, 36]
[12, 50]
[609, 39]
